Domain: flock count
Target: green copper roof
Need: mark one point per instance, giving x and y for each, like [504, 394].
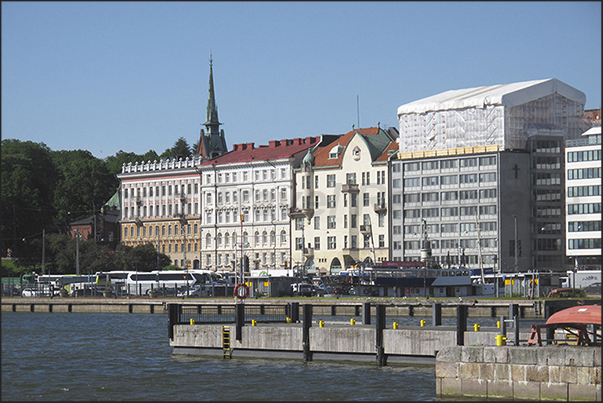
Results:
[114, 201]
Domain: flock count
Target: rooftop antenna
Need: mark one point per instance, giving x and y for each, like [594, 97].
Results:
[358, 109]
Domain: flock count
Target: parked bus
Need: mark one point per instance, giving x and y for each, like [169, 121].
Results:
[169, 282]
[85, 284]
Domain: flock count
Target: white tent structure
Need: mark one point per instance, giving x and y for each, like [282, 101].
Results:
[503, 115]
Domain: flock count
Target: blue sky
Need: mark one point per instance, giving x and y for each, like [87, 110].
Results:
[133, 76]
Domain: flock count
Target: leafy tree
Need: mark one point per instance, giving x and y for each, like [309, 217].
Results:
[115, 162]
[85, 184]
[28, 181]
[181, 149]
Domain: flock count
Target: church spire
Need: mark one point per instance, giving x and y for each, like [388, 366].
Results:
[212, 142]
[212, 123]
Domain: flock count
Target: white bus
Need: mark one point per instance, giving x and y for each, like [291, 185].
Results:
[168, 282]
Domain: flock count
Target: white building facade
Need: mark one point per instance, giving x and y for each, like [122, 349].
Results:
[247, 195]
[583, 199]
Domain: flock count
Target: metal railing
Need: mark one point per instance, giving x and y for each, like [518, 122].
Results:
[227, 313]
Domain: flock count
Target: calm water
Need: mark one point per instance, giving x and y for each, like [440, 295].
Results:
[81, 356]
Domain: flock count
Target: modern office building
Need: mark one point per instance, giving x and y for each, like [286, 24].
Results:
[583, 199]
[483, 169]
[340, 213]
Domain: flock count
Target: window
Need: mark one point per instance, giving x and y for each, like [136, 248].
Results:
[330, 181]
[331, 222]
[350, 178]
[365, 199]
[317, 222]
[412, 167]
[330, 201]
[331, 242]
[317, 243]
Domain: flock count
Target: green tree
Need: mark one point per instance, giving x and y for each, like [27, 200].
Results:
[181, 149]
[28, 181]
[85, 183]
[115, 162]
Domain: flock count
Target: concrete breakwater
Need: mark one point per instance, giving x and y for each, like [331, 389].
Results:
[519, 373]
[279, 332]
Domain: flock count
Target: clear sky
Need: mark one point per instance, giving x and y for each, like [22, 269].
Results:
[133, 76]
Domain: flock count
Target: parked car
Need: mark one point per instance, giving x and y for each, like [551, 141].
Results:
[195, 291]
[30, 292]
[303, 289]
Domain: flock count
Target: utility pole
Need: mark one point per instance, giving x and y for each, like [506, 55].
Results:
[77, 251]
[516, 246]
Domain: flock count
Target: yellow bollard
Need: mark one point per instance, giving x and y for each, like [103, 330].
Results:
[254, 322]
[192, 321]
[321, 323]
[422, 322]
[288, 320]
[395, 325]
[501, 340]
[476, 327]
[498, 324]
[352, 321]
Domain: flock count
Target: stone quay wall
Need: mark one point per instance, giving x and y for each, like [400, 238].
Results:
[519, 373]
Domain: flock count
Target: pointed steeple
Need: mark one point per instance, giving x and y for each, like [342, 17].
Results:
[212, 122]
[212, 142]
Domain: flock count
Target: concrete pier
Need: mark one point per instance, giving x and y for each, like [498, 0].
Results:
[519, 373]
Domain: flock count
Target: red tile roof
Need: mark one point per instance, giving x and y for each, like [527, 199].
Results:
[276, 149]
[321, 155]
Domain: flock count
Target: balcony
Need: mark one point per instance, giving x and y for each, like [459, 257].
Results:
[308, 252]
[365, 229]
[349, 187]
[308, 212]
[380, 207]
[295, 212]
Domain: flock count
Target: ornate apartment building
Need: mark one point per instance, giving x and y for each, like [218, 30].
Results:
[340, 213]
[161, 200]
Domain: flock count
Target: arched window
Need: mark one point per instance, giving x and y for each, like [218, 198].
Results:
[208, 240]
[219, 240]
[272, 238]
[257, 238]
[283, 237]
[226, 239]
[264, 238]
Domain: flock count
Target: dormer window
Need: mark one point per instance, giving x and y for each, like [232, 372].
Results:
[335, 151]
[356, 153]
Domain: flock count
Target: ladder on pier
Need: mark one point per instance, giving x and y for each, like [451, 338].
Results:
[226, 350]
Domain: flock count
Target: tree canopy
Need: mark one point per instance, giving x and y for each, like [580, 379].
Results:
[46, 190]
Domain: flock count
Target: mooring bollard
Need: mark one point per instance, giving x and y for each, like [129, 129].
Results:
[501, 340]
